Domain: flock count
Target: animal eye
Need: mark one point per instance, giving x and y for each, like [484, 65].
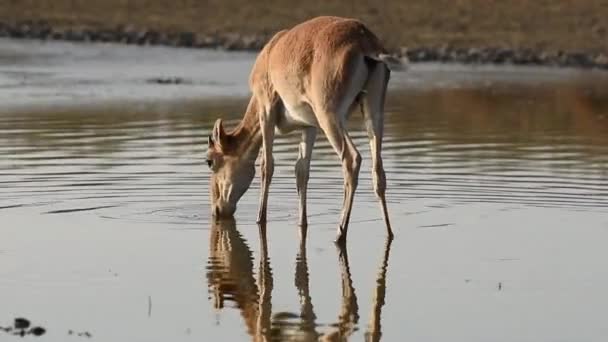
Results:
[209, 163]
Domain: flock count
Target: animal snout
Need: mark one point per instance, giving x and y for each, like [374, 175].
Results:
[223, 210]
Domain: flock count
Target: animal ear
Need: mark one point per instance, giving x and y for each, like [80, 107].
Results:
[210, 141]
[219, 134]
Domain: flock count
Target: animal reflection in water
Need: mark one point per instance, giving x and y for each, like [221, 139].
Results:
[231, 277]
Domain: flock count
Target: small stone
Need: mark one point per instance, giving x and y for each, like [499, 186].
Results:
[37, 331]
[232, 42]
[74, 35]
[21, 323]
[601, 60]
[85, 334]
[186, 39]
[107, 36]
[207, 42]
[153, 37]
[163, 80]
[56, 35]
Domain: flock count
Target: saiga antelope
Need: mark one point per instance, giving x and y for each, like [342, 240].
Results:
[308, 77]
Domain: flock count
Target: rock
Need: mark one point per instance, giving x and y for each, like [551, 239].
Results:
[42, 32]
[4, 32]
[74, 35]
[85, 334]
[35, 29]
[14, 32]
[21, 323]
[186, 39]
[56, 35]
[207, 41]
[461, 55]
[443, 53]
[166, 80]
[578, 59]
[128, 37]
[422, 54]
[139, 37]
[153, 37]
[601, 61]
[253, 42]
[104, 36]
[522, 57]
[171, 39]
[232, 42]
[23, 29]
[412, 55]
[164, 39]
[473, 55]
[37, 331]
[544, 58]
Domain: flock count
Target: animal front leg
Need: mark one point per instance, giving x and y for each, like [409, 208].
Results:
[267, 165]
[303, 169]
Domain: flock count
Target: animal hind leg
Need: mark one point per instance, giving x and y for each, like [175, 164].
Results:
[351, 163]
[372, 106]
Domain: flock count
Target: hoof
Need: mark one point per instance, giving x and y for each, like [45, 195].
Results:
[340, 240]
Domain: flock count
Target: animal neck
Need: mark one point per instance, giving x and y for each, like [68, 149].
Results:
[247, 135]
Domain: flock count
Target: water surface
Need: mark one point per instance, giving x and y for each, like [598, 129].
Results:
[498, 194]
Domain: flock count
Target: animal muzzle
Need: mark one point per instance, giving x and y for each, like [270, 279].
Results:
[223, 210]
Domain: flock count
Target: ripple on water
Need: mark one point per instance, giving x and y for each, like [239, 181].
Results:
[453, 147]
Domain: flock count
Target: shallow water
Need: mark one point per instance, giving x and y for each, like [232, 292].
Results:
[498, 195]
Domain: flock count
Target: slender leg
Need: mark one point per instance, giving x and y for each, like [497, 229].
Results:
[374, 330]
[303, 168]
[351, 163]
[349, 310]
[372, 105]
[349, 315]
[265, 285]
[307, 314]
[267, 123]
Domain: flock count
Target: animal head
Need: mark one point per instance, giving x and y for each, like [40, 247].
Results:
[231, 172]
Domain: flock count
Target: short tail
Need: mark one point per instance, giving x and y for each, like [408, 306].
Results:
[393, 63]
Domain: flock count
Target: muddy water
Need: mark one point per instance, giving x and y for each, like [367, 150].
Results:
[498, 196]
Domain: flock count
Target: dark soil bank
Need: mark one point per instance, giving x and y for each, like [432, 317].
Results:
[548, 32]
[474, 55]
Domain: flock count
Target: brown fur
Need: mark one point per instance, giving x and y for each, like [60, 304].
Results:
[307, 77]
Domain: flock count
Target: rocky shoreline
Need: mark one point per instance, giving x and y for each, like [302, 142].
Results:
[41, 30]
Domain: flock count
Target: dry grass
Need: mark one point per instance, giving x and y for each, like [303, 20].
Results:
[539, 24]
